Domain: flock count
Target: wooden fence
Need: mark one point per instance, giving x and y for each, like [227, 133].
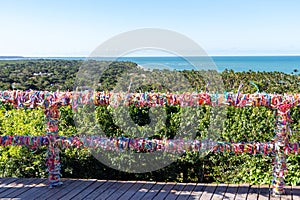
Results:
[51, 101]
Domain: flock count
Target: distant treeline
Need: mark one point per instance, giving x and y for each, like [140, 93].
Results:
[61, 75]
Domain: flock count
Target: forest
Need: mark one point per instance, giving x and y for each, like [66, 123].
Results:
[53, 75]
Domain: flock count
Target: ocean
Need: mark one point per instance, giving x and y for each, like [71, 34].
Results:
[286, 64]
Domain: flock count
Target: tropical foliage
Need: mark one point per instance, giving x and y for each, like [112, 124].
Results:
[223, 124]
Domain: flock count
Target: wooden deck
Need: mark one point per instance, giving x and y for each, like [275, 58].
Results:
[24, 188]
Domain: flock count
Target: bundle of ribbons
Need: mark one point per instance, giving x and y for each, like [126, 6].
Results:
[283, 132]
[143, 145]
[52, 157]
[31, 99]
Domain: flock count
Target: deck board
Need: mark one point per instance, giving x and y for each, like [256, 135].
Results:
[197, 192]
[153, 191]
[46, 192]
[21, 183]
[124, 187]
[143, 190]
[89, 190]
[164, 191]
[174, 193]
[98, 191]
[65, 190]
[33, 188]
[264, 192]
[231, 192]
[186, 192]
[109, 191]
[84, 184]
[220, 191]
[132, 190]
[296, 192]
[253, 192]
[5, 181]
[288, 195]
[26, 187]
[208, 192]
[10, 184]
[34, 191]
[242, 192]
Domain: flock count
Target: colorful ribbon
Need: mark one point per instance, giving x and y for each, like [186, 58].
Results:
[52, 119]
[141, 145]
[52, 100]
[31, 99]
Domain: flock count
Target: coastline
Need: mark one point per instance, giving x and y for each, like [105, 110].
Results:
[286, 64]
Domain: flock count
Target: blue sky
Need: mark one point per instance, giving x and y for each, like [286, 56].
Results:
[76, 28]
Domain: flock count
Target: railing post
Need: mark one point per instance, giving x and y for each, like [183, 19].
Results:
[281, 140]
[52, 158]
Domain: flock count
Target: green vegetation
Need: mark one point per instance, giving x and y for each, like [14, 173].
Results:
[239, 124]
[52, 75]
[37, 75]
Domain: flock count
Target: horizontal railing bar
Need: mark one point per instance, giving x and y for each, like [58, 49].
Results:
[148, 145]
[31, 99]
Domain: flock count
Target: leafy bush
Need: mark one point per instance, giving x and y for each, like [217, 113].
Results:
[241, 124]
[225, 124]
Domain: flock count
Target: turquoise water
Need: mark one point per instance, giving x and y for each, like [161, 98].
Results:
[259, 63]
[285, 64]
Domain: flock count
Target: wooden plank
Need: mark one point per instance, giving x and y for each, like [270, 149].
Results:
[124, 187]
[89, 190]
[98, 191]
[174, 193]
[287, 195]
[35, 182]
[8, 186]
[208, 193]
[109, 191]
[47, 192]
[92, 189]
[132, 190]
[220, 191]
[164, 191]
[296, 192]
[143, 190]
[42, 190]
[154, 191]
[60, 192]
[242, 191]
[264, 192]
[85, 183]
[20, 184]
[231, 191]
[253, 192]
[197, 192]
[5, 181]
[34, 190]
[186, 191]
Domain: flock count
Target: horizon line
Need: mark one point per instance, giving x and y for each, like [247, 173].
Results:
[133, 56]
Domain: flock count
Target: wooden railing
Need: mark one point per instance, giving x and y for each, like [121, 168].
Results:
[51, 101]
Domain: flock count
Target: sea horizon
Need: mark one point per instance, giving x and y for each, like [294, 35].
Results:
[137, 55]
[239, 63]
